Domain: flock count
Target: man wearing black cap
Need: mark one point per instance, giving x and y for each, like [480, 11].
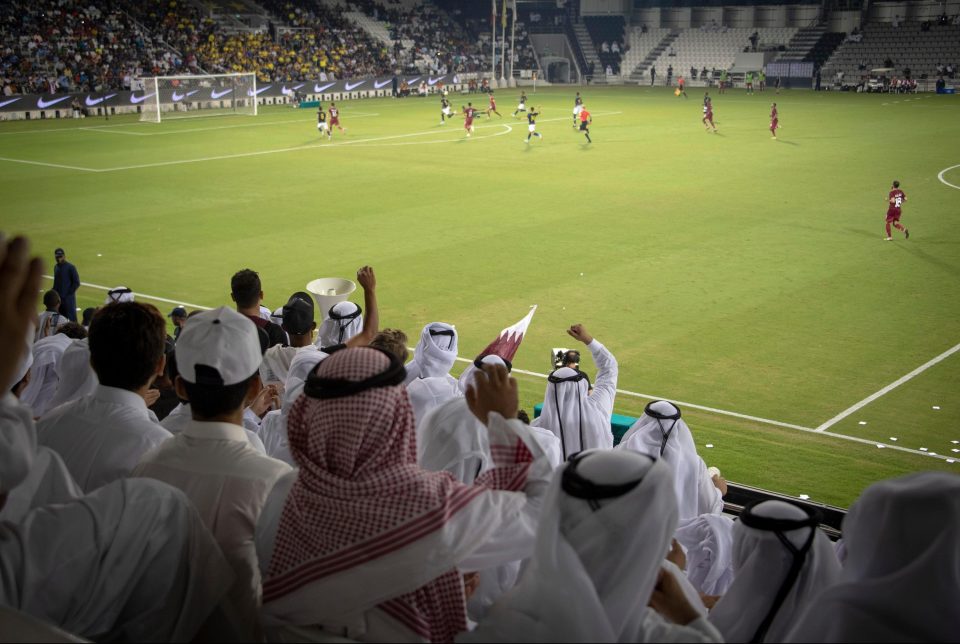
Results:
[179, 317]
[66, 281]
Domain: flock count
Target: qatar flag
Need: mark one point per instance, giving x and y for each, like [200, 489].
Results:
[505, 345]
[509, 340]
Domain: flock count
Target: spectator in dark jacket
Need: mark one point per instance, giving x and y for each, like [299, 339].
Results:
[66, 281]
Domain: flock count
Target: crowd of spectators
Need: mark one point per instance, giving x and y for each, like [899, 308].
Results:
[435, 42]
[268, 498]
[49, 46]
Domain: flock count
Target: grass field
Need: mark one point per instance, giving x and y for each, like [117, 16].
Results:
[729, 270]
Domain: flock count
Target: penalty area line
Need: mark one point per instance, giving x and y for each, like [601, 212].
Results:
[712, 410]
[49, 165]
[893, 385]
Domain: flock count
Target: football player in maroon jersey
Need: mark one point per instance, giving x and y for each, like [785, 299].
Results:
[895, 200]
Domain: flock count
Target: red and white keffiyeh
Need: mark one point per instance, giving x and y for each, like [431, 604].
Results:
[360, 496]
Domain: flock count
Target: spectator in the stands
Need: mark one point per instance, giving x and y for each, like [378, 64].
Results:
[211, 460]
[66, 281]
[247, 293]
[899, 577]
[102, 436]
[896, 21]
[51, 319]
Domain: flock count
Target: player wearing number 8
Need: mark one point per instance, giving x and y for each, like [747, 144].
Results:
[895, 199]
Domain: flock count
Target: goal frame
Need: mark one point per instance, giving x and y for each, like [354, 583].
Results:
[153, 109]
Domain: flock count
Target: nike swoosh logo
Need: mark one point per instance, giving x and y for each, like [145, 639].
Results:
[179, 97]
[318, 88]
[413, 80]
[434, 81]
[139, 99]
[96, 101]
[214, 94]
[378, 85]
[42, 104]
[352, 86]
[12, 100]
[260, 91]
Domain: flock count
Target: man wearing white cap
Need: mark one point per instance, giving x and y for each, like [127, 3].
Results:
[211, 460]
[661, 433]
[578, 415]
[598, 571]
[101, 437]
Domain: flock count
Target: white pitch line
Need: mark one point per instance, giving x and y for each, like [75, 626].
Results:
[240, 155]
[721, 412]
[757, 419]
[893, 385]
[142, 295]
[944, 181]
[49, 165]
[104, 130]
[217, 127]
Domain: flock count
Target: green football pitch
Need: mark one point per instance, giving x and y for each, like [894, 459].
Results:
[745, 277]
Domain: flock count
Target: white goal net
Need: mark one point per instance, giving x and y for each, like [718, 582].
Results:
[170, 97]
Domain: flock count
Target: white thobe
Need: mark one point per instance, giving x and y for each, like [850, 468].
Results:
[101, 437]
[696, 492]
[129, 562]
[18, 442]
[496, 528]
[48, 482]
[228, 482]
[273, 433]
[45, 373]
[180, 417]
[583, 416]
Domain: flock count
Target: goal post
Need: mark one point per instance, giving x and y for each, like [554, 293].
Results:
[174, 97]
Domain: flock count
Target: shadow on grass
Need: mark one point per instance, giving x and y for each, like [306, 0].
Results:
[918, 252]
[863, 232]
[788, 142]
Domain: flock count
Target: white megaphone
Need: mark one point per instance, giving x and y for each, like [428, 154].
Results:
[328, 291]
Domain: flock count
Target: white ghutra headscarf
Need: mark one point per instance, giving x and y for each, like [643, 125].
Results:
[781, 562]
[345, 321]
[435, 353]
[901, 577]
[661, 433]
[605, 529]
[569, 414]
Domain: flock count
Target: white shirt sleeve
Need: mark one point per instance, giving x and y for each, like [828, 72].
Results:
[18, 442]
[605, 387]
[517, 513]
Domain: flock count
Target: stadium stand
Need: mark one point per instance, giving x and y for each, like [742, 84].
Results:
[704, 48]
[911, 51]
[430, 39]
[66, 45]
[608, 40]
[644, 47]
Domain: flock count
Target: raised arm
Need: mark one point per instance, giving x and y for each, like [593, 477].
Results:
[371, 317]
[605, 385]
